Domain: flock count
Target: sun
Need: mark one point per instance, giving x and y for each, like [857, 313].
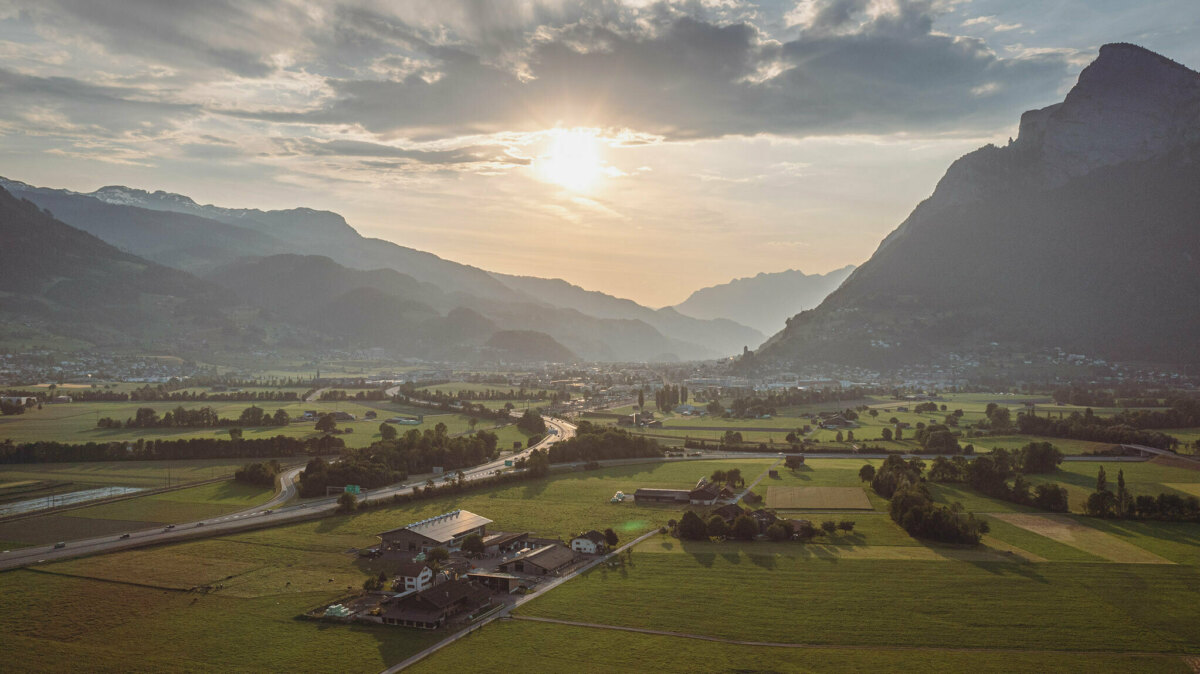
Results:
[572, 160]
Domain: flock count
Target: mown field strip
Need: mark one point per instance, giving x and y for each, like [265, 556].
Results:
[1068, 531]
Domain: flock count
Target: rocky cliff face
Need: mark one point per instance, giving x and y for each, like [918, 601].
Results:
[1078, 234]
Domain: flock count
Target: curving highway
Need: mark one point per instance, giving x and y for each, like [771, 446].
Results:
[265, 515]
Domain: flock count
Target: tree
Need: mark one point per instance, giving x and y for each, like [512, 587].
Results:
[538, 464]
[873, 412]
[692, 528]
[471, 424]
[866, 473]
[1101, 480]
[717, 528]
[437, 556]
[745, 528]
[387, 431]
[1101, 504]
[347, 503]
[641, 399]
[829, 526]
[718, 476]
[885, 434]
[1124, 501]
[839, 437]
[846, 525]
[899, 433]
[778, 532]
[733, 476]
[326, 423]
[473, 545]
[610, 538]
[235, 434]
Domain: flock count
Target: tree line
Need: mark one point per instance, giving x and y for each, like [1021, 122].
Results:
[669, 397]
[158, 450]
[389, 461]
[1088, 426]
[597, 443]
[990, 474]
[205, 417]
[1124, 505]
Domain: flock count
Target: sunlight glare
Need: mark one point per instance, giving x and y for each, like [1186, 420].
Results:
[573, 160]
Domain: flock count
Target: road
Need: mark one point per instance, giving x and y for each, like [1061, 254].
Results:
[265, 515]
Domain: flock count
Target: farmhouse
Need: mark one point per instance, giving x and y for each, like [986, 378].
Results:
[431, 608]
[496, 581]
[544, 561]
[444, 531]
[413, 577]
[590, 543]
[704, 494]
[729, 512]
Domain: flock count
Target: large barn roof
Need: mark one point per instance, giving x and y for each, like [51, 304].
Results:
[443, 528]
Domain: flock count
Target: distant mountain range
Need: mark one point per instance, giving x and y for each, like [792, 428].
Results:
[765, 301]
[57, 282]
[311, 269]
[1082, 234]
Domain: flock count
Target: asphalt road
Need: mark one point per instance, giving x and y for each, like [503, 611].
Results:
[265, 515]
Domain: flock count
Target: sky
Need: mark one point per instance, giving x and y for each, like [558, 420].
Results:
[637, 148]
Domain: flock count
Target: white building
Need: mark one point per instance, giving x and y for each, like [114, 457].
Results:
[589, 543]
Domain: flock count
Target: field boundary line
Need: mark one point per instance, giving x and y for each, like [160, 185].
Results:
[129, 583]
[880, 647]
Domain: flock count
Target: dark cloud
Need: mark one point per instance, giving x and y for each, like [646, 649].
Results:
[355, 148]
[676, 70]
[683, 77]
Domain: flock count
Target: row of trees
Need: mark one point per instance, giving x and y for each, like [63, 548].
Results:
[532, 422]
[152, 450]
[990, 474]
[596, 443]
[340, 394]
[669, 397]
[1088, 426]
[205, 417]
[389, 461]
[1124, 505]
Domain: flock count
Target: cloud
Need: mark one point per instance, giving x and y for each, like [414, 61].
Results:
[358, 148]
[855, 67]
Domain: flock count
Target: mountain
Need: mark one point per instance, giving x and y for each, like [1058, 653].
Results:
[173, 229]
[765, 301]
[57, 281]
[527, 345]
[1082, 234]
[712, 337]
[316, 258]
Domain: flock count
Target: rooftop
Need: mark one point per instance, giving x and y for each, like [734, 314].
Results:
[443, 528]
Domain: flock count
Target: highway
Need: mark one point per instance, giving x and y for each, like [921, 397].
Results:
[266, 515]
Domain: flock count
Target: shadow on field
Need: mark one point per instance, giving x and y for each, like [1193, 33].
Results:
[1024, 570]
[1085, 481]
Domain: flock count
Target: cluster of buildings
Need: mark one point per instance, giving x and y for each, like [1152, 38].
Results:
[429, 594]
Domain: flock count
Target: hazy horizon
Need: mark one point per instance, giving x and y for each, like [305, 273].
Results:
[641, 150]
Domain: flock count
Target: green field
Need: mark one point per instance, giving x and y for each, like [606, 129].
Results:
[874, 598]
[148, 474]
[562, 648]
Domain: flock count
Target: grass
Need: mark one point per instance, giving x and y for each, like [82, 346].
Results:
[57, 622]
[801, 598]
[1078, 535]
[146, 474]
[562, 648]
[820, 498]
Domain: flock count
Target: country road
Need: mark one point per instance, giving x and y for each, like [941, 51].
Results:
[265, 515]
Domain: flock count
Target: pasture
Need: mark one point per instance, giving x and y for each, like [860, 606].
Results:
[817, 498]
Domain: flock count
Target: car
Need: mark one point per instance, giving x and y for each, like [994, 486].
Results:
[124, 536]
[60, 544]
[168, 527]
[199, 524]
[268, 512]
